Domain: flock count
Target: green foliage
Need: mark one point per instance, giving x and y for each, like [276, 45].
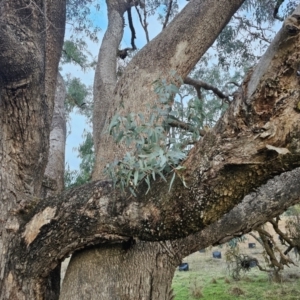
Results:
[76, 52]
[79, 16]
[251, 25]
[78, 96]
[158, 141]
[154, 154]
[86, 153]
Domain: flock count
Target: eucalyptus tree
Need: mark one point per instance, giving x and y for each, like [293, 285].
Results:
[221, 190]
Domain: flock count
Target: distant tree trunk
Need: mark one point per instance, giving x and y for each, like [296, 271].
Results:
[53, 182]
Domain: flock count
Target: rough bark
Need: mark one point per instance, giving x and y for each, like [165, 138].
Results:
[31, 36]
[47, 249]
[144, 270]
[128, 271]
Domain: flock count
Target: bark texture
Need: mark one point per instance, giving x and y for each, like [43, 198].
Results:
[131, 270]
[31, 36]
[180, 53]
[53, 182]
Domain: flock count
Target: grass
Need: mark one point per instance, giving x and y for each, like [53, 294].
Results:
[208, 279]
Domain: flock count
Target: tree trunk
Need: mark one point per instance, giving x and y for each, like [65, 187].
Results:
[141, 270]
[53, 182]
[27, 85]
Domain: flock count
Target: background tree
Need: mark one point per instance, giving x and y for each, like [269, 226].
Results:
[36, 234]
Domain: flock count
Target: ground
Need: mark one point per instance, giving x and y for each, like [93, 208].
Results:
[209, 278]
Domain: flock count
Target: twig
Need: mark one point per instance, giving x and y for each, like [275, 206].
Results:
[168, 14]
[133, 36]
[277, 6]
[201, 84]
[144, 22]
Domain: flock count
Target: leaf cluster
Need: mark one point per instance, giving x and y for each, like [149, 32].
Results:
[154, 154]
[75, 51]
[78, 96]
[86, 153]
[79, 16]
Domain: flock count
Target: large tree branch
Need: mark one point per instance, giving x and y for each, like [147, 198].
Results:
[168, 13]
[257, 138]
[248, 146]
[90, 215]
[255, 209]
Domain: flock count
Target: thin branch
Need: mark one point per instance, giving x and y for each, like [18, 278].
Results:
[174, 122]
[168, 14]
[276, 9]
[280, 233]
[144, 22]
[268, 244]
[201, 84]
[133, 36]
[256, 35]
[258, 28]
[255, 237]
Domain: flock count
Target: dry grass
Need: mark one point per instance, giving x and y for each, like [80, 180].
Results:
[213, 277]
